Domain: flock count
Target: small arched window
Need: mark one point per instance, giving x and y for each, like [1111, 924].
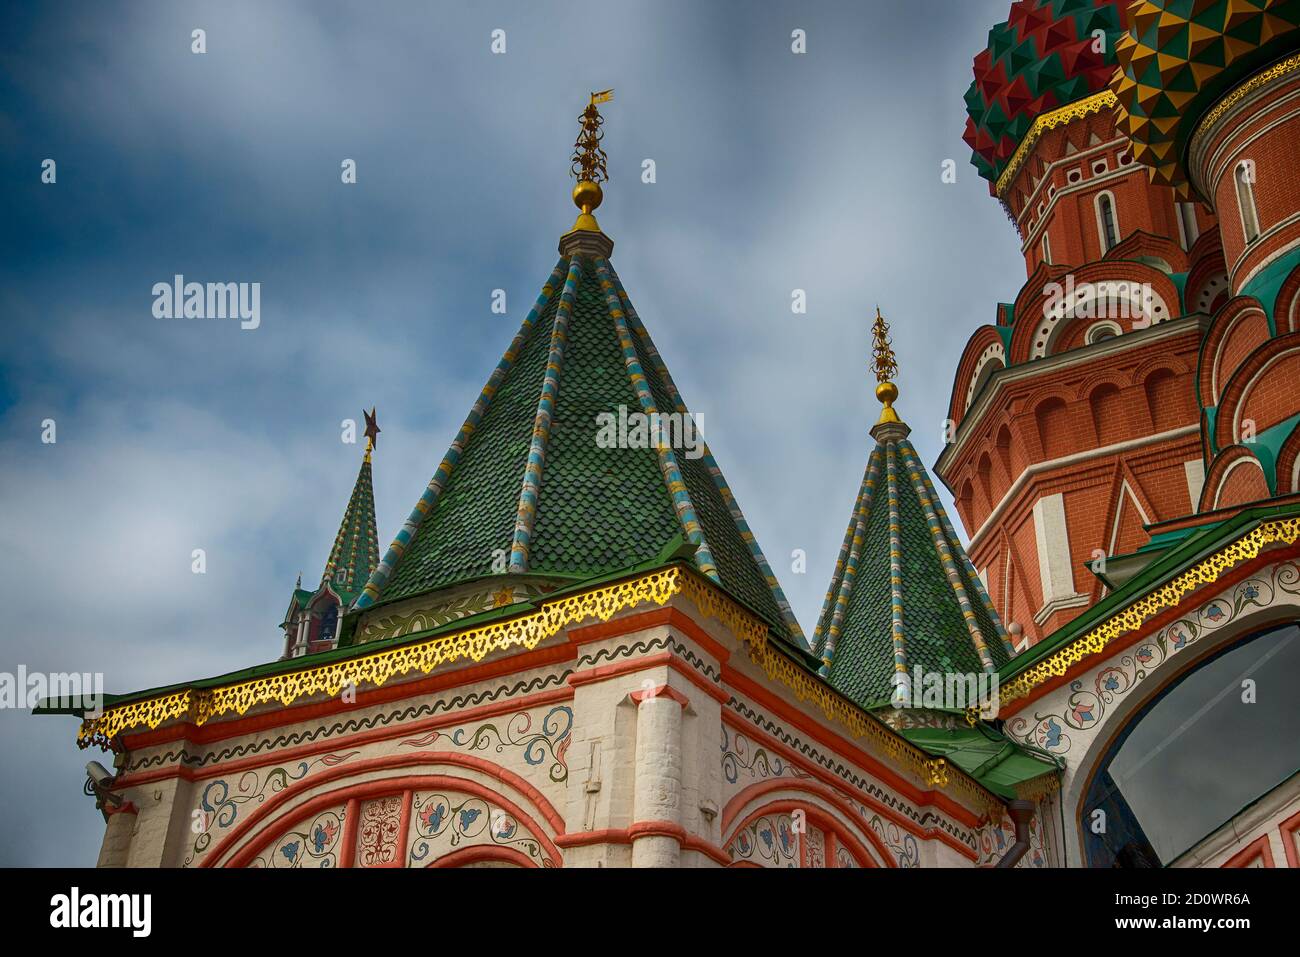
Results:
[965, 499]
[329, 621]
[1245, 179]
[1054, 433]
[984, 470]
[1047, 250]
[1102, 331]
[1109, 413]
[1107, 224]
[1003, 445]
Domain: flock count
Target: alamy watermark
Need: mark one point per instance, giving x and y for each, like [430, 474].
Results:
[212, 300]
[650, 430]
[947, 690]
[59, 689]
[133, 912]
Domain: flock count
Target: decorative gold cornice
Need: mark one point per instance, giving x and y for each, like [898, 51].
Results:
[526, 631]
[1048, 121]
[1263, 78]
[376, 668]
[808, 687]
[1035, 789]
[1132, 617]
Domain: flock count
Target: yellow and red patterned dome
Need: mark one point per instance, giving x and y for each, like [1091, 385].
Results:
[1047, 54]
[1179, 57]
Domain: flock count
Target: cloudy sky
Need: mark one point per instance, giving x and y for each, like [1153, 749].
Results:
[775, 172]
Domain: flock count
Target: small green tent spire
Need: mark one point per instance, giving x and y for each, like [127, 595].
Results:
[904, 593]
[356, 547]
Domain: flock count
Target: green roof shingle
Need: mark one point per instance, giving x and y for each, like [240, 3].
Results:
[590, 511]
[863, 651]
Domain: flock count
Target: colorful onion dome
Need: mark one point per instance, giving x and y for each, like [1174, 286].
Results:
[1047, 54]
[1179, 56]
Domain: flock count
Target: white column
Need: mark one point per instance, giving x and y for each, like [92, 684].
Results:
[1053, 540]
[1195, 471]
[657, 798]
[304, 628]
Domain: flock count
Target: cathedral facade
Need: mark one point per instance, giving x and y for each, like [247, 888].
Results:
[574, 652]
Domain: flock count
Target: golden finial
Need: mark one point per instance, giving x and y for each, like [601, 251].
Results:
[885, 366]
[588, 162]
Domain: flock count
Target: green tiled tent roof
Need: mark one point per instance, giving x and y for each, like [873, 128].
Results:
[527, 482]
[356, 547]
[904, 592]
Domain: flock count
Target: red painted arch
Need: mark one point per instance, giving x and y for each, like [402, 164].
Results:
[386, 785]
[483, 852]
[380, 788]
[826, 822]
[734, 806]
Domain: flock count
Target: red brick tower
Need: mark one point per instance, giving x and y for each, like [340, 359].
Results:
[1210, 99]
[1075, 424]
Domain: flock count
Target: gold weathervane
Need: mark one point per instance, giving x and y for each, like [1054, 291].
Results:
[588, 162]
[885, 366]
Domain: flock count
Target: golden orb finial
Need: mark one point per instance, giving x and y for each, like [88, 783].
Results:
[588, 162]
[885, 366]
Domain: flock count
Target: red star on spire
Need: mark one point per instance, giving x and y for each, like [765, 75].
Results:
[372, 427]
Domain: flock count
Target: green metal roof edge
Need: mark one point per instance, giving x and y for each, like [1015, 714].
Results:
[1270, 442]
[1160, 542]
[811, 662]
[1265, 285]
[986, 754]
[1162, 569]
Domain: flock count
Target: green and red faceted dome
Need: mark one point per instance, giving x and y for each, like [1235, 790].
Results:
[1044, 56]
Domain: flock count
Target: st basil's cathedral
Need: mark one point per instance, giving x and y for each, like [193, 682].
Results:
[574, 652]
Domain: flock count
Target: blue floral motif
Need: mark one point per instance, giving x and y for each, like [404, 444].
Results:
[1251, 592]
[290, 850]
[433, 816]
[468, 817]
[1214, 612]
[1111, 683]
[1053, 732]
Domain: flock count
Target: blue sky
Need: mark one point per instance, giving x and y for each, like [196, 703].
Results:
[775, 172]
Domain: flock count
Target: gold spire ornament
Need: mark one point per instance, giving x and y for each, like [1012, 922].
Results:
[588, 162]
[885, 366]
